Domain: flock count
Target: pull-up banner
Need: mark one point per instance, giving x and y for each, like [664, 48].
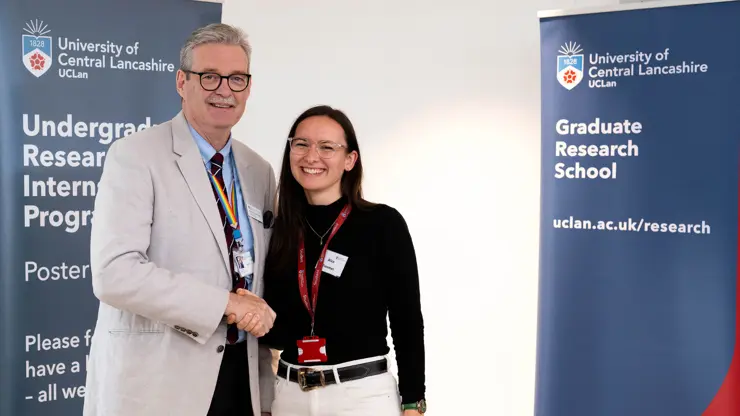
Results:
[639, 228]
[76, 76]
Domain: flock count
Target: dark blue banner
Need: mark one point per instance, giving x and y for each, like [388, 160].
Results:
[77, 75]
[639, 228]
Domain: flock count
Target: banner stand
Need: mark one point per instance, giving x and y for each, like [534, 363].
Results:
[638, 311]
[77, 75]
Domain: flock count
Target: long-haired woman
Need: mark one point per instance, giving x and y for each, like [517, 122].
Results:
[331, 325]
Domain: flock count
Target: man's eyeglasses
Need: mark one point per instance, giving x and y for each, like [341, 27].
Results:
[325, 148]
[210, 81]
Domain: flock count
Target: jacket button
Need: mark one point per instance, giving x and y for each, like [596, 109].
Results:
[195, 334]
[220, 348]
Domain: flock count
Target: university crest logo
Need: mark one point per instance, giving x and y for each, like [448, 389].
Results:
[37, 48]
[570, 65]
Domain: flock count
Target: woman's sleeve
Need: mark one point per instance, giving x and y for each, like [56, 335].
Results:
[271, 296]
[404, 309]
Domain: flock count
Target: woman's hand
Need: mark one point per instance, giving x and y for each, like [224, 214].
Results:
[411, 412]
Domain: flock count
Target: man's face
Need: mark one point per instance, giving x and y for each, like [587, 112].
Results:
[222, 108]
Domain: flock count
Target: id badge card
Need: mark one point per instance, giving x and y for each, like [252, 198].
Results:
[312, 350]
[243, 263]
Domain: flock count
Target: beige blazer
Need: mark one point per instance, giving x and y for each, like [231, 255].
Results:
[160, 270]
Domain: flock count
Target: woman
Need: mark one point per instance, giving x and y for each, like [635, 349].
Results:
[333, 345]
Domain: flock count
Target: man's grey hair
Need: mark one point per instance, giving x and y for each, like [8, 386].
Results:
[219, 33]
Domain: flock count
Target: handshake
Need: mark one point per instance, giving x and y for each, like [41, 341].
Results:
[249, 312]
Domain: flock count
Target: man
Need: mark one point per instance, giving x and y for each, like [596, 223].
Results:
[182, 221]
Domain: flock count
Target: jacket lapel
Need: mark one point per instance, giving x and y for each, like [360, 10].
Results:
[194, 171]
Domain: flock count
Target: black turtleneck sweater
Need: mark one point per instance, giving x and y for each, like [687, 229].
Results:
[379, 279]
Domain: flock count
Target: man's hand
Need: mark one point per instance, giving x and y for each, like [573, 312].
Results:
[250, 313]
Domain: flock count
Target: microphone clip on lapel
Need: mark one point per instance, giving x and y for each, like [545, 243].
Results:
[267, 219]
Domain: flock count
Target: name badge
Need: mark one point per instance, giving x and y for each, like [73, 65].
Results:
[243, 263]
[334, 263]
[255, 213]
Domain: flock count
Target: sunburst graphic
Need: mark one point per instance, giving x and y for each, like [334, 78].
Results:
[570, 49]
[36, 28]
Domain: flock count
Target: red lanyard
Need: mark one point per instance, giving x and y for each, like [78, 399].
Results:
[319, 265]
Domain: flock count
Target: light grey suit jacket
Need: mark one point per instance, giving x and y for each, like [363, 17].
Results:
[160, 269]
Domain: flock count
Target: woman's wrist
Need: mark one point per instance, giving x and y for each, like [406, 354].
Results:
[415, 408]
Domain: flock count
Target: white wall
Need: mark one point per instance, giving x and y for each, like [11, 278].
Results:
[444, 96]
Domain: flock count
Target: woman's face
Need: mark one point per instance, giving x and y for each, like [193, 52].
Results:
[319, 156]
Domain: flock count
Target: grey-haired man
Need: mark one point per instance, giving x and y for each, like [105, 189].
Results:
[182, 221]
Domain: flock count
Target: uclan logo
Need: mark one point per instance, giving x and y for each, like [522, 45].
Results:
[37, 48]
[570, 65]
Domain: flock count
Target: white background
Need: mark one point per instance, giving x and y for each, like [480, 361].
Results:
[444, 96]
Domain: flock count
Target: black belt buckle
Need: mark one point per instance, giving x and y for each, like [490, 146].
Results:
[303, 379]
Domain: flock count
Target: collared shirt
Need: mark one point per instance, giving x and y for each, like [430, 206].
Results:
[207, 151]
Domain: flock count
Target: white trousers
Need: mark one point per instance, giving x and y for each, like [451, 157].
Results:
[370, 396]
